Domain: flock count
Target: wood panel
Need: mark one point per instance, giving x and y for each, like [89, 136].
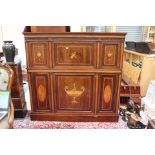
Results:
[107, 96]
[40, 89]
[74, 55]
[110, 55]
[74, 92]
[38, 55]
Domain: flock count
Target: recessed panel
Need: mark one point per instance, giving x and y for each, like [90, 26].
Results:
[110, 55]
[74, 92]
[74, 55]
[38, 55]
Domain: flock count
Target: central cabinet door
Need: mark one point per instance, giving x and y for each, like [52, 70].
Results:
[74, 92]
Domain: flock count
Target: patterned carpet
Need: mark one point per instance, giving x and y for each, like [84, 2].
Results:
[26, 123]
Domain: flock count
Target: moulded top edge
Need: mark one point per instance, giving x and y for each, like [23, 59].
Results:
[76, 33]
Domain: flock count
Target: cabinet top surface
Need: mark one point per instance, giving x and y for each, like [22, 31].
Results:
[77, 34]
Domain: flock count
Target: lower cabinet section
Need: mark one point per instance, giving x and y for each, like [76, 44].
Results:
[74, 96]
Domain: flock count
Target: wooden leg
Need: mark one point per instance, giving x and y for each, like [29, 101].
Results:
[11, 116]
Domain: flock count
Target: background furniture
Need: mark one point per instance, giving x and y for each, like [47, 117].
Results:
[74, 76]
[1, 54]
[151, 124]
[138, 69]
[6, 79]
[17, 91]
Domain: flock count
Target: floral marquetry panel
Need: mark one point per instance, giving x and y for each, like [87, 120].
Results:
[74, 92]
[110, 55]
[38, 55]
[75, 55]
[40, 91]
[107, 89]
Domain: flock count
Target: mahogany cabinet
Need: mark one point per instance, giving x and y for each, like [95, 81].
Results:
[74, 76]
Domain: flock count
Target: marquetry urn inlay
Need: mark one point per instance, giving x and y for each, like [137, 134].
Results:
[74, 92]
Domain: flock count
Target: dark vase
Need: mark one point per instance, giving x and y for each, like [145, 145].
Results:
[9, 51]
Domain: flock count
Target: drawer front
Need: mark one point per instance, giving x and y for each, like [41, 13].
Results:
[40, 91]
[74, 92]
[108, 97]
[110, 55]
[38, 55]
[74, 55]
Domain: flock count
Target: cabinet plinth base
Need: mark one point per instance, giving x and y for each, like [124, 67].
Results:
[71, 118]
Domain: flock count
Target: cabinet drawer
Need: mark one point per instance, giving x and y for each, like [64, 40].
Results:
[110, 55]
[74, 92]
[74, 55]
[38, 55]
[108, 89]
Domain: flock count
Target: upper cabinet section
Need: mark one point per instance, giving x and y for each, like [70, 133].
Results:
[74, 50]
[74, 55]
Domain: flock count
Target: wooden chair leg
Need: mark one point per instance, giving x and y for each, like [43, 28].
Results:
[11, 117]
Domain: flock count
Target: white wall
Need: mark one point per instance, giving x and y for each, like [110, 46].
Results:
[75, 28]
[14, 33]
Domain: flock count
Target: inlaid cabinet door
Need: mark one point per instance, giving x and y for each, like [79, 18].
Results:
[38, 54]
[40, 91]
[74, 55]
[110, 55]
[108, 87]
[74, 92]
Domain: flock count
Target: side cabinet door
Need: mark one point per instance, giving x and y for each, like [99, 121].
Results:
[40, 89]
[110, 55]
[108, 94]
[38, 54]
